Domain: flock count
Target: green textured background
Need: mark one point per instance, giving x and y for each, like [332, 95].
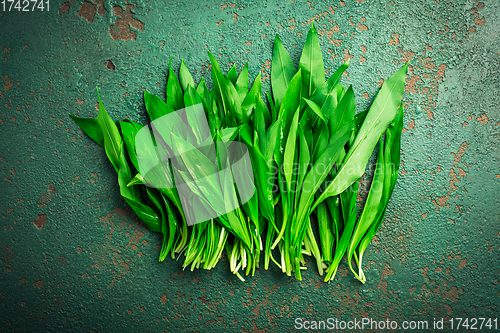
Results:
[74, 256]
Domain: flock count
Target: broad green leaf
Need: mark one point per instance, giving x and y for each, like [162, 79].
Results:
[91, 127]
[155, 106]
[379, 116]
[311, 63]
[185, 77]
[282, 71]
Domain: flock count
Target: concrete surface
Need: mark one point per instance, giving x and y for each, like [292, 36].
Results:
[75, 257]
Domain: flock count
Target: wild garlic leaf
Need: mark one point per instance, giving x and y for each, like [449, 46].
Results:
[282, 71]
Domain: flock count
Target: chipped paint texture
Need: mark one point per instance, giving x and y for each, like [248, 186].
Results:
[74, 256]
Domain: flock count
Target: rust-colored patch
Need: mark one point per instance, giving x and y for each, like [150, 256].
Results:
[461, 151]
[411, 124]
[121, 28]
[362, 27]
[219, 23]
[363, 49]
[479, 21]
[452, 294]
[424, 215]
[235, 16]
[87, 11]
[386, 272]
[347, 56]
[8, 83]
[80, 101]
[100, 7]
[8, 256]
[62, 260]
[52, 190]
[462, 264]
[365, 94]
[394, 39]
[483, 119]
[64, 8]
[38, 284]
[109, 64]
[40, 221]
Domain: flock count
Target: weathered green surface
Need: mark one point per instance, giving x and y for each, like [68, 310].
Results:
[74, 256]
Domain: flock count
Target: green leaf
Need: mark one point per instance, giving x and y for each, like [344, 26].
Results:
[251, 99]
[155, 106]
[111, 136]
[138, 179]
[195, 115]
[289, 154]
[379, 116]
[290, 103]
[129, 129]
[334, 79]
[311, 63]
[174, 90]
[185, 77]
[230, 100]
[146, 214]
[229, 134]
[316, 109]
[372, 208]
[344, 113]
[317, 175]
[241, 84]
[91, 127]
[282, 71]
[232, 75]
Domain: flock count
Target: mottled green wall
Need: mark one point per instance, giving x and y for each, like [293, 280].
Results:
[73, 255]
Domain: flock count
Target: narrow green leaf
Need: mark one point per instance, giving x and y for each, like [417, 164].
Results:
[174, 90]
[91, 127]
[316, 109]
[344, 113]
[311, 63]
[185, 77]
[155, 106]
[241, 84]
[111, 135]
[289, 154]
[232, 75]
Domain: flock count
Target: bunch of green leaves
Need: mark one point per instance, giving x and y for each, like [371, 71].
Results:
[308, 148]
